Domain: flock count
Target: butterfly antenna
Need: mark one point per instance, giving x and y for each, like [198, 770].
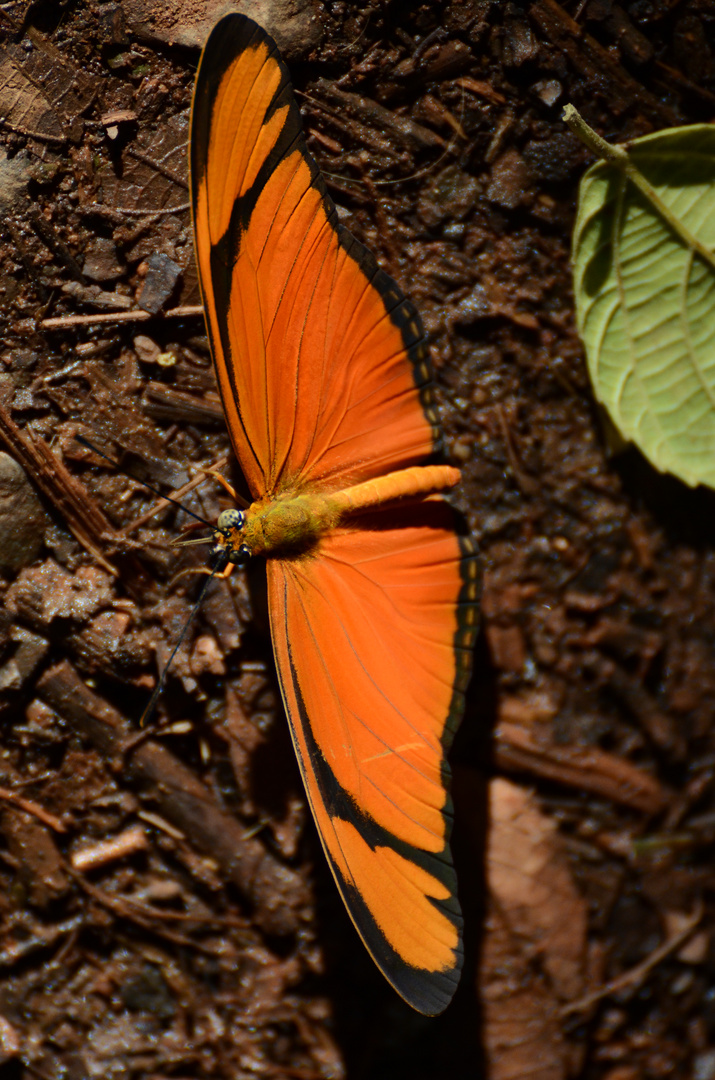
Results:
[150, 487]
[218, 566]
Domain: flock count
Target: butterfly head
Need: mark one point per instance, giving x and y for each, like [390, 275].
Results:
[229, 537]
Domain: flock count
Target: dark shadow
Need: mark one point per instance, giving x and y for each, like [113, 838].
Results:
[687, 515]
[471, 760]
[382, 1037]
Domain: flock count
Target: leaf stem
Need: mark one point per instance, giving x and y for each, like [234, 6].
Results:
[619, 157]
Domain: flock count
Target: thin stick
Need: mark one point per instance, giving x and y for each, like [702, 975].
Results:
[137, 912]
[633, 978]
[32, 808]
[123, 210]
[62, 322]
[150, 487]
[166, 500]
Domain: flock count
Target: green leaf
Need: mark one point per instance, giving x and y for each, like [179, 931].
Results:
[644, 279]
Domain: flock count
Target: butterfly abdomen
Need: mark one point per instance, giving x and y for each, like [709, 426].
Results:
[402, 484]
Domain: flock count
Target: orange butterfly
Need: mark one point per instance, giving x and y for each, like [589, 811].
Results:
[325, 381]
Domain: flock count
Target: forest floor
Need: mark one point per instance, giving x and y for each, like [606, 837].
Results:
[165, 910]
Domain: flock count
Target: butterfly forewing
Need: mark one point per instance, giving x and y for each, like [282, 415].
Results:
[324, 377]
[308, 335]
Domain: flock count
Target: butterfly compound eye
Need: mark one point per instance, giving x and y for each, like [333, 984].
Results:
[230, 519]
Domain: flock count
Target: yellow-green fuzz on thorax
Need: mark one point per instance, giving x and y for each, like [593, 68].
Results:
[277, 525]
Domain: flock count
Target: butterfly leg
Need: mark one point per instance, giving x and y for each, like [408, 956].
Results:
[227, 487]
[220, 575]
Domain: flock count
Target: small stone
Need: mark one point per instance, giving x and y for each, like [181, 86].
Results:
[14, 175]
[146, 349]
[450, 197]
[509, 184]
[549, 90]
[162, 274]
[207, 656]
[22, 517]
[101, 262]
[294, 24]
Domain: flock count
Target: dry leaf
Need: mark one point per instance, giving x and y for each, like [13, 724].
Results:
[534, 953]
[530, 880]
[23, 106]
[522, 1034]
[42, 92]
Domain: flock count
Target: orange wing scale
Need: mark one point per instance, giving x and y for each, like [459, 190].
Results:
[296, 308]
[324, 377]
[372, 640]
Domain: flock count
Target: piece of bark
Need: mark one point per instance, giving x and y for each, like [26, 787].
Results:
[635, 46]
[166, 402]
[379, 119]
[39, 863]
[32, 846]
[72, 501]
[277, 892]
[585, 768]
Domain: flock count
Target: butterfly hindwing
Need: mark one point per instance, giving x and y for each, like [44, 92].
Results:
[373, 644]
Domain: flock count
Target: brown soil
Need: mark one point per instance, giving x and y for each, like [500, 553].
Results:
[165, 910]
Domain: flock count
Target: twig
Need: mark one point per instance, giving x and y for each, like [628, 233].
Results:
[17, 951]
[119, 214]
[159, 166]
[126, 843]
[32, 808]
[84, 519]
[528, 484]
[632, 979]
[150, 214]
[583, 767]
[63, 322]
[138, 913]
[139, 522]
